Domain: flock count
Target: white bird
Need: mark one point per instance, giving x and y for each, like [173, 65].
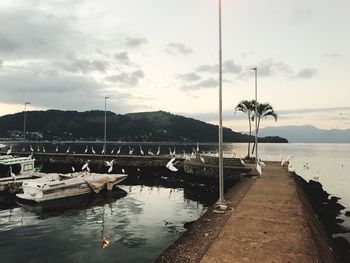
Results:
[141, 151]
[112, 150]
[197, 149]
[38, 148]
[150, 152]
[31, 148]
[242, 162]
[258, 168]
[86, 166]
[93, 150]
[56, 149]
[68, 149]
[118, 152]
[73, 169]
[110, 169]
[103, 150]
[171, 166]
[9, 150]
[187, 157]
[12, 174]
[282, 161]
[123, 171]
[44, 149]
[86, 149]
[131, 150]
[109, 163]
[23, 149]
[158, 152]
[202, 159]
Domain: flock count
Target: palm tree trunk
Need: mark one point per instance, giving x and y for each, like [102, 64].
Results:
[250, 134]
[257, 133]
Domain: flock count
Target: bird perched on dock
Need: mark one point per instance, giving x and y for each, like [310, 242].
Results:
[9, 150]
[73, 169]
[261, 163]
[149, 152]
[202, 159]
[197, 149]
[56, 150]
[131, 150]
[44, 149]
[112, 150]
[103, 150]
[141, 151]
[93, 150]
[118, 152]
[12, 174]
[242, 162]
[110, 164]
[68, 150]
[123, 171]
[31, 148]
[158, 151]
[258, 168]
[170, 165]
[86, 149]
[38, 149]
[86, 166]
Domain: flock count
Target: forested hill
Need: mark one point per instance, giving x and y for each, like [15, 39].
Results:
[89, 125]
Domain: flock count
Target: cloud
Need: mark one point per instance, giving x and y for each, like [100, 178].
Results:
[302, 14]
[135, 42]
[332, 55]
[128, 79]
[76, 65]
[122, 58]
[203, 84]
[228, 66]
[178, 48]
[306, 73]
[193, 76]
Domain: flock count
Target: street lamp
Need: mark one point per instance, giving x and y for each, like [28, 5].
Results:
[221, 163]
[255, 69]
[104, 144]
[24, 119]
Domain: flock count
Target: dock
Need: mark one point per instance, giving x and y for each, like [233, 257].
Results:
[267, 221]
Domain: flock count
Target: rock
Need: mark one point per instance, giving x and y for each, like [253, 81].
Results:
[347, 213]
[188, 224]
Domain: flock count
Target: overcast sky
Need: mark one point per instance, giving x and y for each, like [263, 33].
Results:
[162, 55]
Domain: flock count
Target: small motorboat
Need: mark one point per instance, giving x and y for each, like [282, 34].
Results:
[14, 170]
[55, 186]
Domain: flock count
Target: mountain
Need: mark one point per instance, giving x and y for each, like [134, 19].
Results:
[89, 125]
[307, 134]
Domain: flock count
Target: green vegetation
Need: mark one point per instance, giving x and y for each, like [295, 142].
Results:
[143, 126]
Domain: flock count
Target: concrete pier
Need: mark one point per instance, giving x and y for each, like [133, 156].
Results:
[266, 222]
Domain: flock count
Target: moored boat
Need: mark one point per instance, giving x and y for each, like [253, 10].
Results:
[55, 186]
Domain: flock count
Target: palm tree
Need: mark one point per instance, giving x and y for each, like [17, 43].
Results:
[263, 110]
[247, 107]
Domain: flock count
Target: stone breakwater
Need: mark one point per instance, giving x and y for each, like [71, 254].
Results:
[327, 209]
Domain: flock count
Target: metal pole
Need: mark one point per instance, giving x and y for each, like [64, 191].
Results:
[24, 120]
[256, 115]
[221, 167]
[104, 144]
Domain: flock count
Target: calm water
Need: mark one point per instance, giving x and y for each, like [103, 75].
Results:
[143, 222]
[139, 225]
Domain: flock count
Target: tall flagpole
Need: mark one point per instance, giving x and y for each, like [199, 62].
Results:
[221, 163]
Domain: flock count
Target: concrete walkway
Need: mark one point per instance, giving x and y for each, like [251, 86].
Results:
[268, 225]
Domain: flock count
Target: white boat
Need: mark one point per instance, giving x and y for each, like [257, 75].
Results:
[13, 170]
[55, 186]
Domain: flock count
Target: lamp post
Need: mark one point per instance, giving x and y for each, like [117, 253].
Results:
[221, 163]
[104, 144]
[24, 119]
[255, 69]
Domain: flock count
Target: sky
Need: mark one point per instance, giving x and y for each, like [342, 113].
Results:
[149, 55]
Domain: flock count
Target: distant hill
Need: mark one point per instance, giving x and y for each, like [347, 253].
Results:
[143, 126]
[307, 134]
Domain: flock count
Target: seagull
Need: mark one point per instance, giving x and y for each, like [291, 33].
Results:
[93, 150]
[131, 150]
[112, 150]
[56, 149]
[118, 152]
[171, 166]
[86, 166]
[242, 162]
[31, 148]
[109, 163]
[158, 152]
[73, 169]
[86, 149]
[141, 151]
[9, 150]
[68, 149]
[258, 168]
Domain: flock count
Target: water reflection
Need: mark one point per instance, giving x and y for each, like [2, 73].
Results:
[138, 221]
